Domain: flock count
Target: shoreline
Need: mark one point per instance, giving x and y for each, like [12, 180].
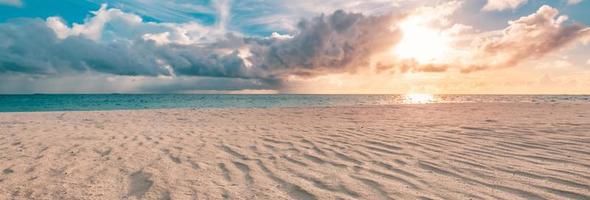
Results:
[305, 107]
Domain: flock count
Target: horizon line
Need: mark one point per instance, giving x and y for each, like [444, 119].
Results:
[147, 93]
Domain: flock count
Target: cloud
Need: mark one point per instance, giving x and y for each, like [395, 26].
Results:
[16, 3]
[110, 42]
[573, 2]
[341, 42]
[533, 36]
[178, 57]
[178, 11]
[279, 36]
[119, 43]
[250, 16]
[500, 5]
[93, 28]
[223, 12]
[270, 16]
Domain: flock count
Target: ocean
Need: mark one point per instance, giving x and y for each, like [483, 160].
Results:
[90, 102]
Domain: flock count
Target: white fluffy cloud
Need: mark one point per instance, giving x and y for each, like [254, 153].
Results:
[93, 28]
[532, 36]
[113, 24]
[499, 5]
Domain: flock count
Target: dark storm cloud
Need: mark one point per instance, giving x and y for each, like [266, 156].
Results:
[341, 42]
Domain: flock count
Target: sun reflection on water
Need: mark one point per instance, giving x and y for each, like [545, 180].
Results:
[418, 98]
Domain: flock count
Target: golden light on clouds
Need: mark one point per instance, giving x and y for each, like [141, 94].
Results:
[425, 48]
[421, 42]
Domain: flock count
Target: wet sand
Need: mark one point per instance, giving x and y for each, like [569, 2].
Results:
[435, 151]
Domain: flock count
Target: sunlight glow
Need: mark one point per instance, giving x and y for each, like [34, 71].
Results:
[418, 98]
[421, 42]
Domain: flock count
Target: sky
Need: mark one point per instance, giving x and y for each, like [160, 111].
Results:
[305, 46]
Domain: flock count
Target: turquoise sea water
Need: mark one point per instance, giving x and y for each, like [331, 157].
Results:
[86, 102]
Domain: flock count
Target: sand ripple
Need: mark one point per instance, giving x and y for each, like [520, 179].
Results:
[448, 151]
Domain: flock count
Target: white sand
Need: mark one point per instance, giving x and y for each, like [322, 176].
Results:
[445, 151]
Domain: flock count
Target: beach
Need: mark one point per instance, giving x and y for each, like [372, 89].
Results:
[430, 151]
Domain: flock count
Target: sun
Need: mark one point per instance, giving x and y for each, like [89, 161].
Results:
[420, 42]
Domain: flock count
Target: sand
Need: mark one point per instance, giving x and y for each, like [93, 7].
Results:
[436, 151]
